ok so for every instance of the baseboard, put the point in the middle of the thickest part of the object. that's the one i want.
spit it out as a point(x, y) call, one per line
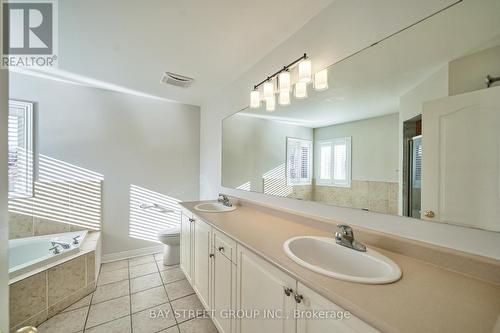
point(131, 253)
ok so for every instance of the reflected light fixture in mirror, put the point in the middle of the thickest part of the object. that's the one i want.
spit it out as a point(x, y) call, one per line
point(321, 80)
point(301, 90)
point(271, 103)
point(305, 71)
point(255, 99)
point(284, 97)
point(284, 82)
point(268, 89)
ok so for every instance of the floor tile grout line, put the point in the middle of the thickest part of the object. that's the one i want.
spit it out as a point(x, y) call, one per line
point(88, 311)
point(168, 297)
point(107, 322)
point(130, 298)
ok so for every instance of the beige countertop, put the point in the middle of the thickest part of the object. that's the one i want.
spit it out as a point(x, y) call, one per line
point(427, 298)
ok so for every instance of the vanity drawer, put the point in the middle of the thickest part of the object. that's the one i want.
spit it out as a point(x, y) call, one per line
point(225, 245)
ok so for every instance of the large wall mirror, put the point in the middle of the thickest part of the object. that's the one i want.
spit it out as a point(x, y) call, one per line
point(406, 127)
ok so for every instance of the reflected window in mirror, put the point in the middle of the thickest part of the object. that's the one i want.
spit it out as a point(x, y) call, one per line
point(299, 161)
point(20, 149)
point(335, 162)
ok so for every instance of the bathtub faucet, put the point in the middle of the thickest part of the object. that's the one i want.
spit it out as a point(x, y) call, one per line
point(63, 244)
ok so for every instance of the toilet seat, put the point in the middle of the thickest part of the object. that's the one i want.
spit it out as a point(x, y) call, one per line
point(170, 232)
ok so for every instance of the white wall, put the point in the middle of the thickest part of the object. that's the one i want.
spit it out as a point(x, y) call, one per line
point(374, 145)
point(4, 232)
point(343, 28)
point(469, 73)
point(135, 140)
point(254, 146)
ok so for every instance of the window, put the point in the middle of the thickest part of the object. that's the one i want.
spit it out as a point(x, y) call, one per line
point(335, 162)
point(299, 161)
point(20, 149)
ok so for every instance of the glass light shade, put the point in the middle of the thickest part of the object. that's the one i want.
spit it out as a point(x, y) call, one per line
point(300, 90)
point(284, 81)
point(268, 89)
point(254, 99)
point(284, 97)
point(271, 104)
point(305, 71)
point(321, 80)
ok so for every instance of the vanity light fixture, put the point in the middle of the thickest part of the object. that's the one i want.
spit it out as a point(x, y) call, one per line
point(284, 97)
point(271, 103)
point(281, 83)
point(284, 81)
point(300, 90)
point(255, 99)
point(268, 89)
point(321, 80)
point(305, 71)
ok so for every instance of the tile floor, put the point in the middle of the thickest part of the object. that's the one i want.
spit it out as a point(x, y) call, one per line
point(137, 295)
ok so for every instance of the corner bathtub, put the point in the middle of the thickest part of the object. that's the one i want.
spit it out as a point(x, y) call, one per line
point(32, 253)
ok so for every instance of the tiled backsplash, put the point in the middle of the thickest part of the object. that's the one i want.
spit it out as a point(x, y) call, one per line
point(380, 197)
point(21, 226)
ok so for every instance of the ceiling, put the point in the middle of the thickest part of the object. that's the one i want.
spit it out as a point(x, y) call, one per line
point(130, 43)
point(371, 83)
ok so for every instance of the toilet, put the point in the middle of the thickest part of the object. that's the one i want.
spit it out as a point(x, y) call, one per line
point(171, 238)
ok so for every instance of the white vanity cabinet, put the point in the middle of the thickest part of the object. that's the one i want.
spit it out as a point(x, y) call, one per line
point(316, 314)
point(247, 294)
point(202, 258)
point(223, 283)
point(265, 296)
point(186, 243)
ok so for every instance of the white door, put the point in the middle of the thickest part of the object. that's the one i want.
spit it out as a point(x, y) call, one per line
point(461, 159)
point(316, 314)
point(202, 258)
point(224, 292)
point(186, 226)
point(261, 297)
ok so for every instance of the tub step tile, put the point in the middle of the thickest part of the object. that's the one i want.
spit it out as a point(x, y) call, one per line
point(110, 291)
point(113, 276)
point(145, 282)
point(107, 311)
point(121, 325)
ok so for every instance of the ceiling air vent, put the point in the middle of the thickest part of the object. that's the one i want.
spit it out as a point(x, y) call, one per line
point(176, 80)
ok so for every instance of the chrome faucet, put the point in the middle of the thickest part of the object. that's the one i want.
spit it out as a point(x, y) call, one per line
point(64, 245)
point(224, 200)
point(346, 238)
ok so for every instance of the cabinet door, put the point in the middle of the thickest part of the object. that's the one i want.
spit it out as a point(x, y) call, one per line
point(316, 314)
point(202, 260)
point(223, 292)
point(261, 296)
point(186, 244)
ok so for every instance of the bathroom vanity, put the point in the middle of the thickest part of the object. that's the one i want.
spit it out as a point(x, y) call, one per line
point(236, 263)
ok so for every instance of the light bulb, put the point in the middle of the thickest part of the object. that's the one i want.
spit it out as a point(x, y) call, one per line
point(321, 80)
point(284, 81)
point(284, 97)
point(270, 104)
point(305, 71)
point(300, 90)
point(254, 99)
point(268, 89)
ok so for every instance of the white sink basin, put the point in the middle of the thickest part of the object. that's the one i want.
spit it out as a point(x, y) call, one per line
point(213, 207)
point(324, 256)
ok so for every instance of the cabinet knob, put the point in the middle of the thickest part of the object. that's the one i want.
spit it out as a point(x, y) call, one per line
point(288, 291)
point(221, 248)
point(211, 255)
point(298, 298)
point(429, 213)
point(191, 220)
